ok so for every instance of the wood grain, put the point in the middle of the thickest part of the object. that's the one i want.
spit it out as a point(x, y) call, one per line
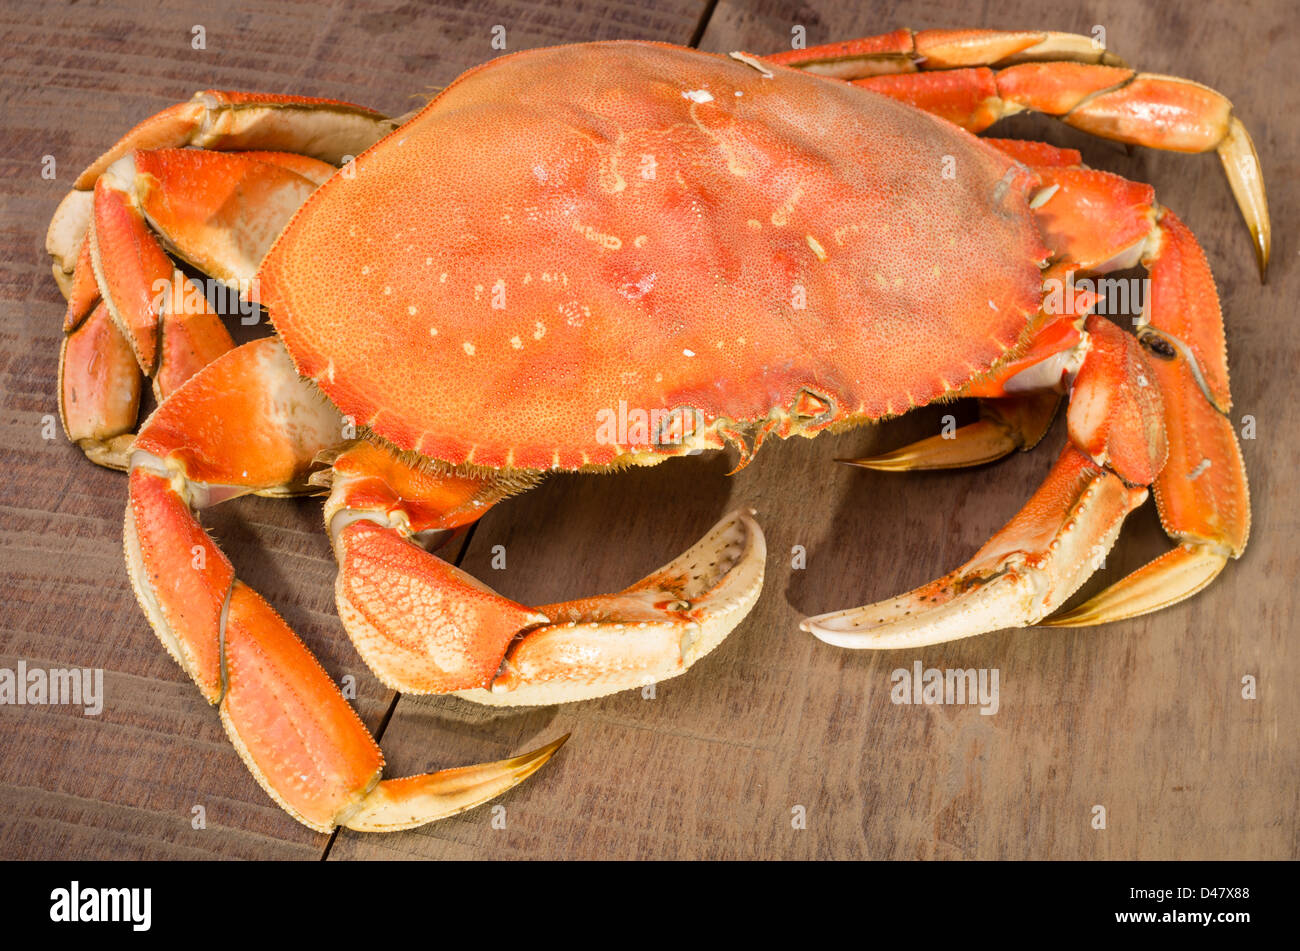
point(1143, 717)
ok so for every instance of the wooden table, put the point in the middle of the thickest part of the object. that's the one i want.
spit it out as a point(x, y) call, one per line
point(1145, 718)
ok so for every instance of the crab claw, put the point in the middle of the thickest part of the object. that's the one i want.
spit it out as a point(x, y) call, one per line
point(1041, 557)
point(1025, 572)
point(651, 631)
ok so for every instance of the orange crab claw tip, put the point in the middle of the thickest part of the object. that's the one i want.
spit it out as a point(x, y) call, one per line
point(397, 804)
point(1241, 163)
point(1175, 575)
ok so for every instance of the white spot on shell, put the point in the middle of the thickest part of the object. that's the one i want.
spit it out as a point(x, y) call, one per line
point(698, 95)
point(640, 289)
point(469, 348)
point(688, 353)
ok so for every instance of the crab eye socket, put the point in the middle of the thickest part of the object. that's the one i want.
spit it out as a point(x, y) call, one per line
point(810, 405)
point(677, 425)
point(1159, 346)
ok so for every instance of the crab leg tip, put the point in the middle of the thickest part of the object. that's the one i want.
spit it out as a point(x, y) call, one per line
point(897, 460)
point(980, 443)
point(1241, 163)
point(397, 804)
point(1262, 253)
point(1173, 577)
point(520, 767)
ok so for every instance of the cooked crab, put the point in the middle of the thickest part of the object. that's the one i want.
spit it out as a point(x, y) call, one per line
point(732, 247)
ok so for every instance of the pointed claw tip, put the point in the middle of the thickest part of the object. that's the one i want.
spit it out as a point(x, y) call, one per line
point(526, 764)
point(878, 463)
point(1064, 619)
point(1245, 177)
point(550, 749)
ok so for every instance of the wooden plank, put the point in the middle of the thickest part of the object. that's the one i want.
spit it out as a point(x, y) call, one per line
point(1144, 718)
point(74, 77)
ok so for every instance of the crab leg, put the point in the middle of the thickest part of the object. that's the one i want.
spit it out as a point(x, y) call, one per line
point(246, 423)
point(425, 626)
point(188, 200)
point(198, 204)
point(1005, 425)
point(99, 389)
point(946, 72)
point(1034, 563)
point(648, 632)
point(219, 211)
point(1201, 492)
point(324, 129)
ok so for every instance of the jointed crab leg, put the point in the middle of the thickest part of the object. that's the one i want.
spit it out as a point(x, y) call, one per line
point(1041, 557)
point(1006, 424)
point(423, 625)
point(99, 388)
point(420, 623)
point(298, 736)
point(323, 129)
point(947, 72)
point(219, 211)
point(1201, 492)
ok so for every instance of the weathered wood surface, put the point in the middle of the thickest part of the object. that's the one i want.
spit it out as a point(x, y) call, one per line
point(1145, 718)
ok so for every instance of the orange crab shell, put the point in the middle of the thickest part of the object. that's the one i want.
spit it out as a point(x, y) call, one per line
point(564, 231)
